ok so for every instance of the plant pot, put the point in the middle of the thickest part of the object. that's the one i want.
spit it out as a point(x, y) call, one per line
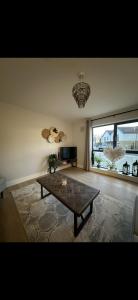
point(52, 169)
point(98, 165)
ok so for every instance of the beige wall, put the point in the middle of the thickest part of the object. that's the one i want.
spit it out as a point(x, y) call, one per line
point(23, 151)
point(79, 131)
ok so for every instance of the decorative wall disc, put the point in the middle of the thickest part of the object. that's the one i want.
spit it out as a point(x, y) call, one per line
point(53, 135)
point(51, 139)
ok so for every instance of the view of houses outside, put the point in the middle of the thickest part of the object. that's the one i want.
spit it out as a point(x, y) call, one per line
point(103, 137)
point(127, 137)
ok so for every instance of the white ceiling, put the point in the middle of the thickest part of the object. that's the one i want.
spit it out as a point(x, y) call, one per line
point(45, 84)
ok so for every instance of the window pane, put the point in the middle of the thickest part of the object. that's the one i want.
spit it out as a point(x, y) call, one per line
point(104, 162)
point(130, 158)
point(103, 137)
point(100, 157)
point(127, 136)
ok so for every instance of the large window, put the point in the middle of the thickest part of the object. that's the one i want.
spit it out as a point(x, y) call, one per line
point(128, 136)
point(115, 135)
point(102, 137)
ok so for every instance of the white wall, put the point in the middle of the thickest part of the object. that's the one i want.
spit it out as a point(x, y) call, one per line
point(23, 151)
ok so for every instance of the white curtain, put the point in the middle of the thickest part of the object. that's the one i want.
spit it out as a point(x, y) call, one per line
point(88, 142)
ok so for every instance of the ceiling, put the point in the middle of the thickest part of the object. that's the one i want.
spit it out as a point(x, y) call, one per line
point(45, 84)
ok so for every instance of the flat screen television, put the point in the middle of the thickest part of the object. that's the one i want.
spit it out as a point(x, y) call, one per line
point(68, 153)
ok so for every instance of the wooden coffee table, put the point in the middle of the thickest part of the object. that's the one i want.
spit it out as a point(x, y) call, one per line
point(75, 195)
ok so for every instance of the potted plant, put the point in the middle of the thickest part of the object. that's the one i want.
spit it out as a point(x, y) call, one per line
point(110, 165)
point(53, 162)
point(98, 159)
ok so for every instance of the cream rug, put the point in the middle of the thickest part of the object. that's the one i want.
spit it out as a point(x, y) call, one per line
point(48, 220)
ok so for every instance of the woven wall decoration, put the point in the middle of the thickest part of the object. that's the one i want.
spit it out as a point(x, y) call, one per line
point(53, 135)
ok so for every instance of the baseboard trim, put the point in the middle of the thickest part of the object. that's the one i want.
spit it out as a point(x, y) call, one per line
point(32, 176)
point(22, 179)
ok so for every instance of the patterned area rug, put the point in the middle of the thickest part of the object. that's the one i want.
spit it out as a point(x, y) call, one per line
point(48, 220)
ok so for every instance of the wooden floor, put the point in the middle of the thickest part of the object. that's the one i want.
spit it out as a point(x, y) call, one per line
point(11, 229)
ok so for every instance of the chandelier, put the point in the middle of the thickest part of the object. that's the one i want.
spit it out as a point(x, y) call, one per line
point(81, 91)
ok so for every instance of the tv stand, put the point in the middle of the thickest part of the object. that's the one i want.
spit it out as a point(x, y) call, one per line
point(73, 163)
point(69, 161)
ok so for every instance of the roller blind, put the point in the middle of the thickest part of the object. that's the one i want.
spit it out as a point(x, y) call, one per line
point(115, 118)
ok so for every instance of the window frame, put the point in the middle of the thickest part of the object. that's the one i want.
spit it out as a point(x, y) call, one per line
point(114, 137)
point(127, 122)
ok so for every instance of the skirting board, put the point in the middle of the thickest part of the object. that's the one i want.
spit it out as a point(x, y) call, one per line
point(33, 176)
point(115, 174)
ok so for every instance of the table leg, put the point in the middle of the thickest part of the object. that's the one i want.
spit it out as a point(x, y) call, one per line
point(75, 225)
point(77, 229)
point(42, 192)
point(91, 207)
point(42, 195)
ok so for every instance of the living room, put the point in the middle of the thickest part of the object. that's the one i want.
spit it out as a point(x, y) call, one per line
point(38, 116)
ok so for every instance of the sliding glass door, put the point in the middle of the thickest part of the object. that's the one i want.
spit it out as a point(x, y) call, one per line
point(124, 134)
point(102, 137)
point(127, 137)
